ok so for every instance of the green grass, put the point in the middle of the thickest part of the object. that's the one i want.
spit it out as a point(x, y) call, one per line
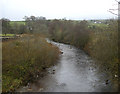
point(98, 25)
point(17, 22)
point(7, 35)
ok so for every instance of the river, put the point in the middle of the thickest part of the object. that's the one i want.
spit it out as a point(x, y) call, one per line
point(74, 72)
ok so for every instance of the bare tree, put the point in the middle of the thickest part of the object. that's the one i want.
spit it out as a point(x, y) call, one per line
point(114, 10)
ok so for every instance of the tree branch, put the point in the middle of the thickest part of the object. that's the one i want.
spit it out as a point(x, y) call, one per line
point(112, 13)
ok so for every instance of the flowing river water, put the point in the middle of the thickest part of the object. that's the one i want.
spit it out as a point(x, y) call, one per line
point(74, 72)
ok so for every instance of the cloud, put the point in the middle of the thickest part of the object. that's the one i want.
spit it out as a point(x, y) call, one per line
point(71, 9)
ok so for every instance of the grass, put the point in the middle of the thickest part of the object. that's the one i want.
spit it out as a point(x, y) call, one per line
point(7, 35)
point(97, 25)
point(17, 22)
point(24, 59)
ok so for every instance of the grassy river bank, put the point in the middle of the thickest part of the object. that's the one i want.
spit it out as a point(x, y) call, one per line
point(24, 59)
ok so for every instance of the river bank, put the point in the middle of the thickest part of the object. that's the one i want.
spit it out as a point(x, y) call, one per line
point(25, 59)
point(74, 72)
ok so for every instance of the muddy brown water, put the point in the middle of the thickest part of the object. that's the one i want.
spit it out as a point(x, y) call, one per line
point(74, 72)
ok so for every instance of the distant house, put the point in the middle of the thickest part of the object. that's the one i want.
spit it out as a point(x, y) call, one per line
point(97, 22)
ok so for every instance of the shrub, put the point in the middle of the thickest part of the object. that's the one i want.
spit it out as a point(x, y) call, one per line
point(25, 58)
point(103, 47)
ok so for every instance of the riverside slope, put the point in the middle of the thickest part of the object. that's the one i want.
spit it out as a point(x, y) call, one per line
point(74, 72)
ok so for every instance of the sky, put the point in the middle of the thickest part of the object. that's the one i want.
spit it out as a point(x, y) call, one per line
point(57, 9)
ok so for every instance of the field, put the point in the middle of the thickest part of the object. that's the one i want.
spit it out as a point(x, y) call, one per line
point(17, 22)
point(7, 35)
point(97, 25)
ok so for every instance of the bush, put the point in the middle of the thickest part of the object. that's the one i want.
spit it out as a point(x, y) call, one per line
point(103, 47)
point(71, 32)
point(25, 58)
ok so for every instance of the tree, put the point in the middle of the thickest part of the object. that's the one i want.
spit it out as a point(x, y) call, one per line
point(5, 25)
point(36, 24)
point(114, 10)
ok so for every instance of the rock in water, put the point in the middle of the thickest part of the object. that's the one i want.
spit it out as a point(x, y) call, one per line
point(61, 52)
point(107, 82)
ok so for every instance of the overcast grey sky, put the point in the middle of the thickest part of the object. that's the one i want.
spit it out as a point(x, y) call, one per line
point(51, 9)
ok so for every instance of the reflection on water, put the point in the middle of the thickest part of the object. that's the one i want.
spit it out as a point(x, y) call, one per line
point(73, 73)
